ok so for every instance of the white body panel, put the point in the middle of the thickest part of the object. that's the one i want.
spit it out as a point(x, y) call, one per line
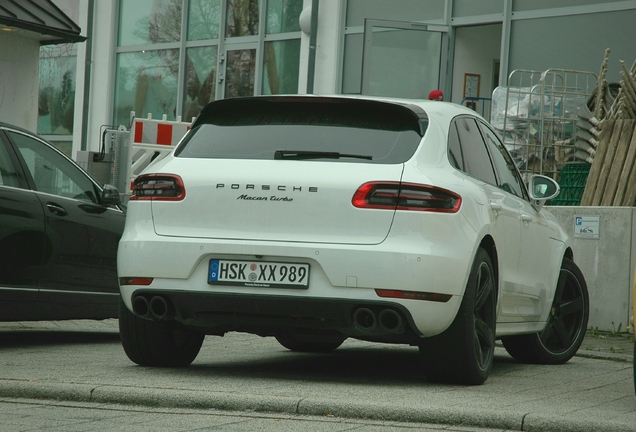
point(305, 215)
point(299, 201)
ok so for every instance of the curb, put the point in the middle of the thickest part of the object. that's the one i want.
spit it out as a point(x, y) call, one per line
point(601, 355)
point(191, 399)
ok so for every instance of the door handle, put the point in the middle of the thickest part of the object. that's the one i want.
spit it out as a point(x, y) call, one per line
point(495, 206)
point(526, 217)
point(56, 209)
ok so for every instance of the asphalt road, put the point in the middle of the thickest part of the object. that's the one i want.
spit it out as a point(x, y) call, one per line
point(82, 362)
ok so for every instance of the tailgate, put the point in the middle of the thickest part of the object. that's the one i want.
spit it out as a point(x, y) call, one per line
point(274, 200)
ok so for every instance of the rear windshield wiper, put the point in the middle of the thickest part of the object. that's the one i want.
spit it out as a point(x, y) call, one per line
point(304, 154)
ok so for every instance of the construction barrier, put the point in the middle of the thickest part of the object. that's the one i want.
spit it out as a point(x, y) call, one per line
point(147, 142)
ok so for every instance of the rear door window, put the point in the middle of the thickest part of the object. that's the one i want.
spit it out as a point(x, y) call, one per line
point(510, 180)
point(477, 162)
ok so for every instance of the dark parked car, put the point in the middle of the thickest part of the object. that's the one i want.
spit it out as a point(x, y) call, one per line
point(59, 231)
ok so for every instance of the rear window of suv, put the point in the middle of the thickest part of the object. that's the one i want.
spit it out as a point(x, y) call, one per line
point(346, 130)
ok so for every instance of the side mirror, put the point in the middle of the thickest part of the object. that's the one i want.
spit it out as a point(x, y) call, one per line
point(110, 196)
point(541, 189)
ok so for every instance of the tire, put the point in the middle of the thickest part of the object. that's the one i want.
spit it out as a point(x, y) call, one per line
point(566, 326)
point(157, 343)
point(463, 353)
point(309, 344)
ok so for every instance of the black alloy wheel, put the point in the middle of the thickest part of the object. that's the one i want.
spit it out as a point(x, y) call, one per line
point(464, 353)
point(485, 316)
point(565, 329)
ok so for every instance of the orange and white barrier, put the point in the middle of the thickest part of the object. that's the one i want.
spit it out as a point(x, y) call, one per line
point(160, 132)
point(150, 141)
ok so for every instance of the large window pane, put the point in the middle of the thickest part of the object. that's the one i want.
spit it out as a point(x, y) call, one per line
point(242, 18)
point(143, 22)
point(397, 10)
point(146, 82)
point(282, 16)
point(239, 79)
point(200, 88)
point(404, 63)
point(351, 70)
point(204, 19)
point(57, 90)
point(280, 74)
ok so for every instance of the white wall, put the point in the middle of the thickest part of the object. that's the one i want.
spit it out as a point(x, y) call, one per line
point(19, 80)
point(607, 262)
point(102, 79)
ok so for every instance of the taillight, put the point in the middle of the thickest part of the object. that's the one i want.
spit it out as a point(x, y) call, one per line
point(406, 196)
point(164, 187)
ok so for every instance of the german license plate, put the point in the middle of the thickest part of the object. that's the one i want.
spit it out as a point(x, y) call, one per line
point(258, 274)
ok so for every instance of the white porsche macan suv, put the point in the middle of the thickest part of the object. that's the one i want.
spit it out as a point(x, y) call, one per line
point(316, 219)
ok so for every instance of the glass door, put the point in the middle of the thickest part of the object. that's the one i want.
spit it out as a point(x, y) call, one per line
point(240, 71)
point(403, 59)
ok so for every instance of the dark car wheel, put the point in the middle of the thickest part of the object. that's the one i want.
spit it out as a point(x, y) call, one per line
point(566, 326)
point(157, 343)
point(309, 344)
point(463, 353)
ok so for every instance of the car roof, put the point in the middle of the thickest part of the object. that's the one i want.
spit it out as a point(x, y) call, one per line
point(18, 128)
point(228, 110)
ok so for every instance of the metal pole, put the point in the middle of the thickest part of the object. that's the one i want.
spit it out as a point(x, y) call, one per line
point(87, 74)
point(311, 65)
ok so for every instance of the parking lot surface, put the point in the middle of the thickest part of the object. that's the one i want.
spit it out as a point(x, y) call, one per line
point(83, 362)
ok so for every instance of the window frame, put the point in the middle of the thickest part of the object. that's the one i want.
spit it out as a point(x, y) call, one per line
point(482, 126)
point(222, 45)
point(504, 151)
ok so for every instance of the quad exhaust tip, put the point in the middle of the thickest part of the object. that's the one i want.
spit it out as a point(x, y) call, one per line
point(388, 321)
point(157, 308)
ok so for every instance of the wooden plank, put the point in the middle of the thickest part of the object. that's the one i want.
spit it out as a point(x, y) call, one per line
point(617, 164)
point(609, 158)
point(599, 158)
point(630, 194)
point(628, 169)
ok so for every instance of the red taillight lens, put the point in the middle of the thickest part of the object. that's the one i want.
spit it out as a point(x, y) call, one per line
point(135, 281)
point(413, 295)
point(164, 187)
point(406, 196)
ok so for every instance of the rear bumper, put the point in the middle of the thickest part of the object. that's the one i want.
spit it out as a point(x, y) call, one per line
point(343, 278)
point(219, 313)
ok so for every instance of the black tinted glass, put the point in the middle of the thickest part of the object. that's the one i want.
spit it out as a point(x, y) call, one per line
point(510, 180)
point(8, 174)
point(476, 159)
point(454, 148)
point(313, 128)
point(261, 142)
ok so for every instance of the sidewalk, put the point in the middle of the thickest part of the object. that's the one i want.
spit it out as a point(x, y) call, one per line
point(84, 362)
point(605, 345)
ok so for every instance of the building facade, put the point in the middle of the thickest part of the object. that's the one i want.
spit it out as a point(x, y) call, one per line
point(171, 57)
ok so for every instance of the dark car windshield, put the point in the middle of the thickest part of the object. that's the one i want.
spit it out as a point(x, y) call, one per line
point(305, 129)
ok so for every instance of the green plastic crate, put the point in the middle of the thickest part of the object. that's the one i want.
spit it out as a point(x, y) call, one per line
point(573, 177)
